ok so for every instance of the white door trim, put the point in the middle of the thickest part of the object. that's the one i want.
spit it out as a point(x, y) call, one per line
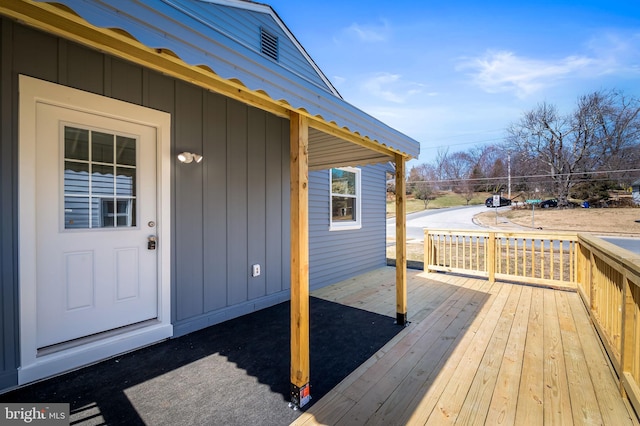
point(34, 367)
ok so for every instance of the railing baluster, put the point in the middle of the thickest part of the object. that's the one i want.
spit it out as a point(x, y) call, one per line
point(551, 259)
point(561, 260)
point(514, 257)
point(541, 258)
point(499, 255)
point(464, 253)
point(477, 252)
point(507, 260)
point(533, 258)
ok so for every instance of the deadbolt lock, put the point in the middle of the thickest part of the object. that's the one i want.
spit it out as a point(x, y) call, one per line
point(151, 244)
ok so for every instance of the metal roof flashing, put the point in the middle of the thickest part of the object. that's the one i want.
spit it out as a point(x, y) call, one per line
point(188, 28)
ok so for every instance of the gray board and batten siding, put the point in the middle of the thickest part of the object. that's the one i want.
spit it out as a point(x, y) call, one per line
point(228, 212)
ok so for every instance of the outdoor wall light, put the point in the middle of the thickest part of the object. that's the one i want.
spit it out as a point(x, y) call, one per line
point(188, 157)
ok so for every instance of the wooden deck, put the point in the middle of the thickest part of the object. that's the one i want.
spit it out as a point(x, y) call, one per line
point(474, 353)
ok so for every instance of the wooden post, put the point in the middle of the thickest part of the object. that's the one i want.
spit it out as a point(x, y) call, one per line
point(628, 342)
point(492, 259)
point(401, 242)
point(299, 165)
point(427, 250)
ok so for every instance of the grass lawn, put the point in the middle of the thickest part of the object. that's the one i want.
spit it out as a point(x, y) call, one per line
point(448, 199)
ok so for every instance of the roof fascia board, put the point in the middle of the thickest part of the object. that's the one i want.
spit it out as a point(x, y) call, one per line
point(61, 22)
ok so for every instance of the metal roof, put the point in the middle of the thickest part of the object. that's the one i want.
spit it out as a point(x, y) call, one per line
point(198, 33)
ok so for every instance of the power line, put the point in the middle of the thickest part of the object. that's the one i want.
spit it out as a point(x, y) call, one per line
point(464, 143)
point(576, 174)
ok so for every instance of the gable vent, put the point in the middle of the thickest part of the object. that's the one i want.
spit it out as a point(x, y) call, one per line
point(268, 44)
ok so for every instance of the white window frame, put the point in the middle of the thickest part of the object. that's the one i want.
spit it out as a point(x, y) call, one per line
point(350, 225)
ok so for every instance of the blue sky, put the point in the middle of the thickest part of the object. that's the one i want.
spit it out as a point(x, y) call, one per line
point(457, 73)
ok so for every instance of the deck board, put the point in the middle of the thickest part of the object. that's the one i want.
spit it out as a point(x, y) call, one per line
point(584, 404)
point(478, 400)
point(504, 400)
point(557, 403)
point(474, 353)
point(459, 376)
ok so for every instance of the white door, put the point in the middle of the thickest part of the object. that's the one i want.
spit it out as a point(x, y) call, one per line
point(95, 215)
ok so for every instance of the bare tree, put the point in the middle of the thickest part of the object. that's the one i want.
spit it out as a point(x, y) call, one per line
point(544, 133)
point(550, 152)
point(424, 191)
point(439, 164)
point(421, 173)
point(457, 168)
point(613, 121)
point(582, 142)
point(603, 126)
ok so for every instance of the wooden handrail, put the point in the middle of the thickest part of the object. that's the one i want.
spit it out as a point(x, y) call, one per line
point(526, 256)
point(609, 285)
point(606, 277)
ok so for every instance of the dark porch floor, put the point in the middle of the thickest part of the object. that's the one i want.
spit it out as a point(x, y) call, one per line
point(235, 373)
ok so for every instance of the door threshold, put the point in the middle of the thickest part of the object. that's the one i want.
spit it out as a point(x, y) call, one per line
point(64, 357)
point(69, 344)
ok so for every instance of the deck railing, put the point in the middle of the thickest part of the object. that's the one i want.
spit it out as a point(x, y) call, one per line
point(609, 284)
point(606, 277)
point(530, 257)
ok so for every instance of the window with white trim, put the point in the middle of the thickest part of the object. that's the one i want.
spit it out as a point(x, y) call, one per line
point(345, 211)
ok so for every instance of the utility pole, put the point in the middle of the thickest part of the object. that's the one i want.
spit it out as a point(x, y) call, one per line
point(509, 171)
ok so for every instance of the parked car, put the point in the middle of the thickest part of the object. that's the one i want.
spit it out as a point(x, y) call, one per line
point(503, 202)
point(549, 203)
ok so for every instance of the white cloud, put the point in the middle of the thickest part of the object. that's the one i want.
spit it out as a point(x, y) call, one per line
point(502, 71)
point(391, 87)
point(370, 33)
point(608, 53)
point(618, 53)
point(338, 80)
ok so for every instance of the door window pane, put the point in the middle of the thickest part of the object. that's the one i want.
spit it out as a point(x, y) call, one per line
point(126, 151)
point(102, 181)
point(126, 181)
point(102, 147)
point(99, 179)
point(76, 143)
point(76, 212)
point(76, 178)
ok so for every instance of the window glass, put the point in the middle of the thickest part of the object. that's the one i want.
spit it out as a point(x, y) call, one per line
point(76, 178)
point(76, 143)
point(102, 181)
point(345, 198)
point(99, 179)
point(125, 151)
point(76, 212)
point(343, 209)
point(102, 147)
point(343, 182)
point(126, 181)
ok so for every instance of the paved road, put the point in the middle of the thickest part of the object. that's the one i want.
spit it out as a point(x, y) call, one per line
point(627, 243)
point(462, 218)
point(452, 218)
